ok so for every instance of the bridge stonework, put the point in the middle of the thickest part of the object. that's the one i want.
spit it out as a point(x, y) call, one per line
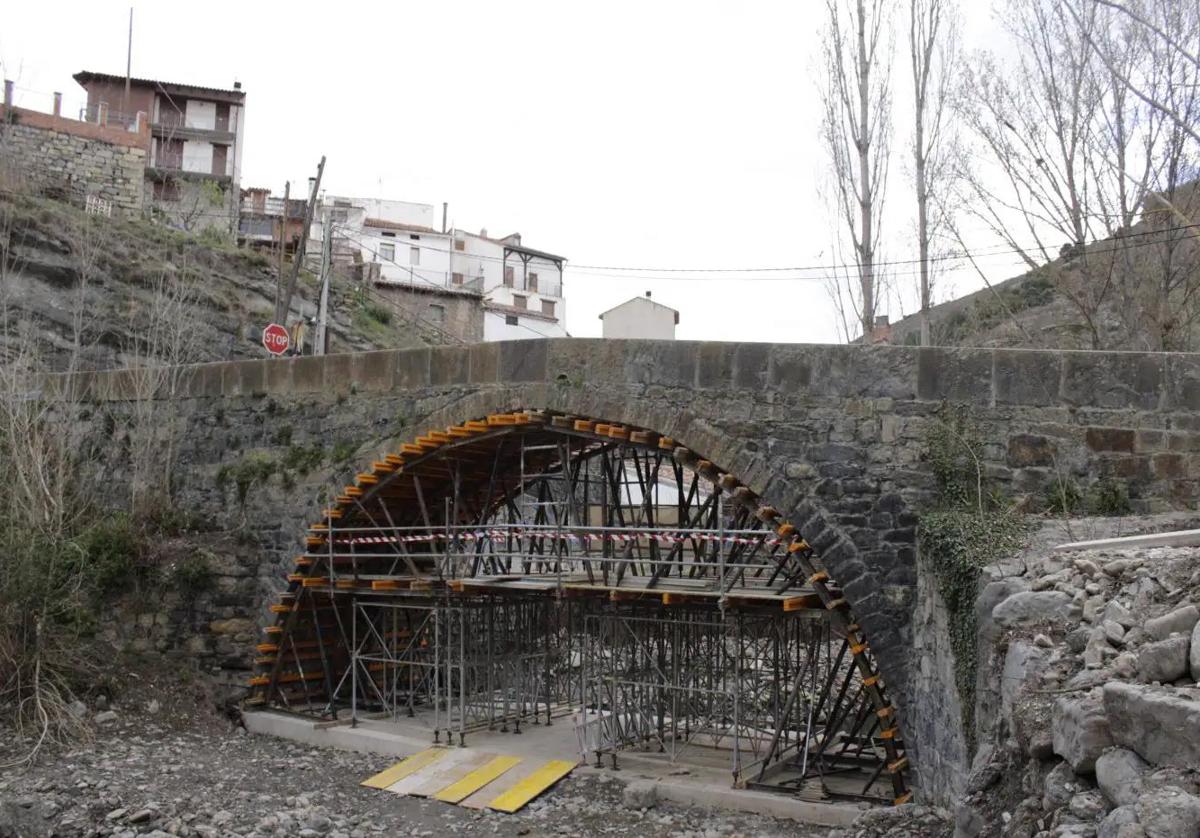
point(833, 436)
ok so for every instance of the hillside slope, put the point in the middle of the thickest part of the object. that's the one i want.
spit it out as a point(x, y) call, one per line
point(111, 279)
point(1137, 290)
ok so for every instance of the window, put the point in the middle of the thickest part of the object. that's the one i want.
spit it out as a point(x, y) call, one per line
point(548, 308)
point(456, 278)
point(531, 283)
point(166, 190)
point(520, 301)
point(387, 252)
point(414, 237)
point(508, 276)
point(388, 235)
point(340, 216)
point(512, 320)
point(414, 256)
point(459, 244)
point(437, 314)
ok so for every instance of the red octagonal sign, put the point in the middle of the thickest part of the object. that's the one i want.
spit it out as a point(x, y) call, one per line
point(276, 339)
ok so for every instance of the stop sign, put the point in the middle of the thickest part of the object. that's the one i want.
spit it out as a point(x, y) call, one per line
point(276, 339)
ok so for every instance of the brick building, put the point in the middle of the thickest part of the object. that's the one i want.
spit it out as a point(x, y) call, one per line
point(193, 172)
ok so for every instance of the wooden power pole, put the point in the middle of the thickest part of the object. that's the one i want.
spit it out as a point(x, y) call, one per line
point(283, 219)
point(285, 302)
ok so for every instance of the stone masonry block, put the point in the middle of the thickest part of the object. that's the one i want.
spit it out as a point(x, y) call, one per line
point(1113, 379)
point(448, 365)
point(959, 375)
point(1026, 377)
point(374, 371)
point(523, 360)
point(484, 362)
point(412, 369)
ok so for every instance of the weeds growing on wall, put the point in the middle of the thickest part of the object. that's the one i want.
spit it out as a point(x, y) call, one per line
point(969, 526)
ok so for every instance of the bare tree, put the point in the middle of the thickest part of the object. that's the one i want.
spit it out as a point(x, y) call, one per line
point(856, 128)
point(1170, 25)
point(933, 44)
point(1065, 155)
point(162, 343)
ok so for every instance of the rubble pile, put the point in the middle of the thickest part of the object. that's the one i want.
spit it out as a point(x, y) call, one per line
point(1090, 722)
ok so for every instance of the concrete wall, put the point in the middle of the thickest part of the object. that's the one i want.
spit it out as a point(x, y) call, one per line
point(831, 435)
point(76, 158)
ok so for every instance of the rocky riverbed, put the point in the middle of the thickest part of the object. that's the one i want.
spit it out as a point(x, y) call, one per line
point(145, 777)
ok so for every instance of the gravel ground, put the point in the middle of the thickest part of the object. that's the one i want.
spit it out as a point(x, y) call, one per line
point(142, 776)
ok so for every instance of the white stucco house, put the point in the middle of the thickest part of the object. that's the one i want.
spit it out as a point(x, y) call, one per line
point(522, 287)
point(640, 317)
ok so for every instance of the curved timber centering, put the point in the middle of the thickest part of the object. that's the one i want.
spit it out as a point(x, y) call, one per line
point(529, 564)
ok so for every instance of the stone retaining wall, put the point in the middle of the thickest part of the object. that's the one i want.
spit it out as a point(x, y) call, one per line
point(53, 154)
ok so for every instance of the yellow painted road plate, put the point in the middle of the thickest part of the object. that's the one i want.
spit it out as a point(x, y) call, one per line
point(403, 768)
point(476, 780)
point(532, 786)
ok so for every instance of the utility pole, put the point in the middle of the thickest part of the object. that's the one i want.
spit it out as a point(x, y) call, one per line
point(128, 66)
point(326, 272)
point(285, 303)
point(283, 219)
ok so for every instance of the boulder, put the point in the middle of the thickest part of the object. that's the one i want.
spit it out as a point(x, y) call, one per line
point(1120, 823)
point(1169, 813)
point(1114, 631)
point(1088, 806)
point(1081, 730)
point(1195, 653)
point(640, 794)
point(1165, 660)
point(1028, 608)
point(1023, 662)
point(1181, 620)
point(1119, 614)
point(1060, 785)
point(1119, 774)
point(1161, 725)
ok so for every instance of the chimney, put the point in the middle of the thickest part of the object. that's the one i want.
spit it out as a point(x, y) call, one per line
point(483, 232)
point(647, 295)
point(882, 331)
point(57, 104)
point(445, 208)
point(237, 85)
point(8, 93)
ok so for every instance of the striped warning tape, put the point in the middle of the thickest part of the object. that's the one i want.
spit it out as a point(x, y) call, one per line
point(681, 537)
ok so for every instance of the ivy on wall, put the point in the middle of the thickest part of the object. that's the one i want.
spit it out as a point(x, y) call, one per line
point(968, 527)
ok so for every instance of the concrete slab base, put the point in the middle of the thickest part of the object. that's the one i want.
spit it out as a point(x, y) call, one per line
point(686, 784)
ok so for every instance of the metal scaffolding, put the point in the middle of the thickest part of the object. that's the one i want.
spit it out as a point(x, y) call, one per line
point(517, 569)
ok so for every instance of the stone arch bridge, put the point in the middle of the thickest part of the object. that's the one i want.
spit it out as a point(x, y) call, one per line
point(831, 439)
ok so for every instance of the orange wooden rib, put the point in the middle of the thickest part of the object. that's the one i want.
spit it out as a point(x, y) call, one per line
point(666, 442)
point(438, 436)
point(409, 448)
point(476, 425)
point(394, 459)
point(584, 425)
point(260, 681)
point(267, 648)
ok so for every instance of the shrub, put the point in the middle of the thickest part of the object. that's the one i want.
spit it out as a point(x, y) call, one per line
point(111, 552)
point(1109, 497)
point(194, 574)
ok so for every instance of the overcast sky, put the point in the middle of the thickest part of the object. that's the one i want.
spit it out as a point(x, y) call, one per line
point(659, 135)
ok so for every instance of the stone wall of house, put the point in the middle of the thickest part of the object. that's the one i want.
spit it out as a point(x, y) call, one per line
point(73, 159)
point(834, 436)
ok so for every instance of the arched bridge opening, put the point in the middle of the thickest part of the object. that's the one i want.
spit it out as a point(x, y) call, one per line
point(540, 568)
